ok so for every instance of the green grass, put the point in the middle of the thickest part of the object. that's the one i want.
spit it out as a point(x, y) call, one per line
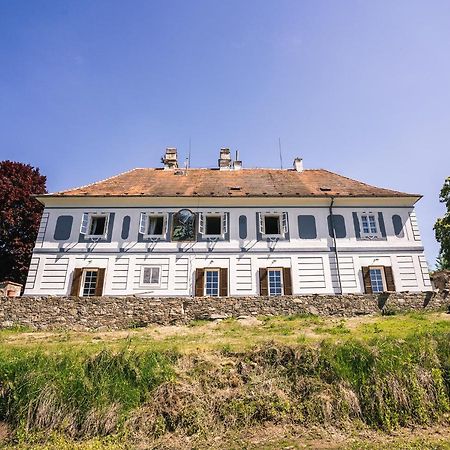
point(112, 388)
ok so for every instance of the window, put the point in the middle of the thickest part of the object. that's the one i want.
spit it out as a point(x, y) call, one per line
point(275, 224)
point(153, 225)
point(212, 283)
point(94, 225)
point(275, 282)
point(150, 276)
point(213, 224)
point(377, 279)
point(272, 224)
point(369, 224)
point(89, 285)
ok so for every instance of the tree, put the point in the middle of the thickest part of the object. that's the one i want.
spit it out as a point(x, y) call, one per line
point(442, 228)
point(20, 215)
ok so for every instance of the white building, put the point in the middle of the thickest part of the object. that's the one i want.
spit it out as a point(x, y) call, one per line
point(227, 231)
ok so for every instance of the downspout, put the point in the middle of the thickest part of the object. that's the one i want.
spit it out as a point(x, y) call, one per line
point(335, 246)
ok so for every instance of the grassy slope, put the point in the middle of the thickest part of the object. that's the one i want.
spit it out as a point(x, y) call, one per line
point(164, 382)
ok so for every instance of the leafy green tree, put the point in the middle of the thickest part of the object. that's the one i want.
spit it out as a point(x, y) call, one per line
point(442, 228)
point(20, 215)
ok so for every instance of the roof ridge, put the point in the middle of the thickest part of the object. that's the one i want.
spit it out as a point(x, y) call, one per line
point(95, 182)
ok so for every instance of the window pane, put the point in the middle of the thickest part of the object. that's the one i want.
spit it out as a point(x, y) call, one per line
point(372, 224)
point(155, 275)
point(365, 224)
point(98, 225)
point(151, 275)
point(213, 224)
point(272, 224)
point(212, 283)
point(275, 284)
point(155, 225)
point(376, 280)
point(90, 283)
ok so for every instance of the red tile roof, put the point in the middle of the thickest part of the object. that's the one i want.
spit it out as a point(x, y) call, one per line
point(230, 183)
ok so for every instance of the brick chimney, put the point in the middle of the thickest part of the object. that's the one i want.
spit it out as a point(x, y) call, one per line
point(170, 158)
point(225, 159)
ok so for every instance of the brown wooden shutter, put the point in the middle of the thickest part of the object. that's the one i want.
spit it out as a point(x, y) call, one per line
point(287, 281)
point(263, 282)
point(76, 283)
point(100, 282)
point(389, 276)
point(199, 282)
point(366, 280)
point(223, 280)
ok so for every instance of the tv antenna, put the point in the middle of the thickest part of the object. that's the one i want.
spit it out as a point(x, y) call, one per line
point(281, 156)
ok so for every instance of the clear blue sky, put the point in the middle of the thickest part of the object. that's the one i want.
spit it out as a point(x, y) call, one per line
point(92, 88)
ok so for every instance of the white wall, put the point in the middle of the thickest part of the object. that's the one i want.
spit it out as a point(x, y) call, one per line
point(312, 262)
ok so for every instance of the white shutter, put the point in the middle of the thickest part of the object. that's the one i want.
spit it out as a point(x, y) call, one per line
point(224, 223)
point(142, 223)
point(166, 223)
point(284, 222)
point(84, 223)
point(106, 225)
point(261, 223)
point(201, 223)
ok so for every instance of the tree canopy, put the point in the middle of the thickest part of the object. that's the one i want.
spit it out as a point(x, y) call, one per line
point(442, 228)
point(20, 215)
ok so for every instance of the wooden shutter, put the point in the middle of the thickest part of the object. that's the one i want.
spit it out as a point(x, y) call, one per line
point(223, 280)
point(389, 276)
point(263, 282)
point(76, 283)
point(199, 282)
point(366, 280)
point(100, 282)
point(287, 281)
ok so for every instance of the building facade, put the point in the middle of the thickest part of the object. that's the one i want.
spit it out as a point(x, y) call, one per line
point(227, 231)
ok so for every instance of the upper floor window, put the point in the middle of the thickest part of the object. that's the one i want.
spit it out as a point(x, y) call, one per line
point(94, 225)
point(153, 224)
point(273, 224)
point(369, 225)
point(213, 224)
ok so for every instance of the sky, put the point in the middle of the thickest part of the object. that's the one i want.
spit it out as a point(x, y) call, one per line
point(89, 89)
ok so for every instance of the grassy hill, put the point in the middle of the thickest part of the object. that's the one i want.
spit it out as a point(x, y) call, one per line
point(267, 382)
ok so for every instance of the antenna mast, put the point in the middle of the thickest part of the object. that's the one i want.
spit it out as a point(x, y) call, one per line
point(281, 156)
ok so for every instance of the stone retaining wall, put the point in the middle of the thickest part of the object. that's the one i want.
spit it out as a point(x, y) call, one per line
point(123, 312)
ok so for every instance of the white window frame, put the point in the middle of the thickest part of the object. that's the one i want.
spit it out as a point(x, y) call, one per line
point(383, 278)
point(86, 224)
point(144, 222)
point(283, 222)
point(223, 225)
point(83, 281)
point(141, 278)
point(205, 282)
point(275, 269)
point(369, 235)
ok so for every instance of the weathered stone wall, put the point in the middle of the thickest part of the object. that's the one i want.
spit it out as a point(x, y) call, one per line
point(123, 312)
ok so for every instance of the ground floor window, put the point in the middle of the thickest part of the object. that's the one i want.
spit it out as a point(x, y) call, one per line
point(377, 279)
point(275, 282)
point(89, 284)
point(212, 283)
point(150, 276)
